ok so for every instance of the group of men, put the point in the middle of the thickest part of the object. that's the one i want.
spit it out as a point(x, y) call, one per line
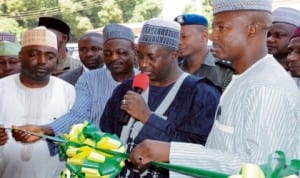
point(258, 112)
point(180, 118)
point(32, 96)
point(284, 23)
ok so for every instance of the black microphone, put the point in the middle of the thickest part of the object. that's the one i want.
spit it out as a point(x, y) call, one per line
point(140, 83)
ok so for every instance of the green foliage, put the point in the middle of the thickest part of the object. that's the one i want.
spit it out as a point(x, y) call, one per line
point(193, 7)
point(146, 10)
point(110, 13)
point(11, 26)
point(207, 11)
point(81, 15)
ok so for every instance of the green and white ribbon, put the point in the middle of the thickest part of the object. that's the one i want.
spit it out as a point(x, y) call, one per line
point(90, 153)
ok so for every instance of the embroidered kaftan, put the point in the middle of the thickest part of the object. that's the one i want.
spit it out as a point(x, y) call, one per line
point(20, 105)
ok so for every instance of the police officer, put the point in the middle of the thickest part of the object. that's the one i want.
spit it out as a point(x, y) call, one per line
point(196, 57)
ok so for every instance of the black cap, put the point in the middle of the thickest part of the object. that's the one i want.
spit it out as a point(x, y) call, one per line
point(56, 24)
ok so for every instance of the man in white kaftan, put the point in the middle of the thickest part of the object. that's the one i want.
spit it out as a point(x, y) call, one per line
point(21, 105)
point(32, 97)
point(247, 135)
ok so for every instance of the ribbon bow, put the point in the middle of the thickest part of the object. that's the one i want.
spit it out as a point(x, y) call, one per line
point(91, 153)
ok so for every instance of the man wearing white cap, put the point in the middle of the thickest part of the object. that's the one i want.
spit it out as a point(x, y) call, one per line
point(94, 88)
point(285, 21)
point(9, 61)
point(32, 97)
point(176, 107)
point(258, 112)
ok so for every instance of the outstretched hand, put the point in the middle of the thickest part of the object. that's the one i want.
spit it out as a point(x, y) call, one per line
point(148, 151)
point(3, 136)
point(19, 134)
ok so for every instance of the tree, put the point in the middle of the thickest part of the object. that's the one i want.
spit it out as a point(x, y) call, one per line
point(146, 10)
point(207, 11)
point(81, 15)
point(11, 25)
point(111, 13)
point(193, 7)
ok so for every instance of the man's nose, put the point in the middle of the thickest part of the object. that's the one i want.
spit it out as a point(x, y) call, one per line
point(42, 59)
point(8, 66)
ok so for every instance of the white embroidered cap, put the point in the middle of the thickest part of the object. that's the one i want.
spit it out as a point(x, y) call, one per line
point(286, 15)
point(236, 5)
point(8, 48)
point(39, 36)
point(161, 32)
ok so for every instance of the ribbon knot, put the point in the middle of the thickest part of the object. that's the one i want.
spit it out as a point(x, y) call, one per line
point(91, 153)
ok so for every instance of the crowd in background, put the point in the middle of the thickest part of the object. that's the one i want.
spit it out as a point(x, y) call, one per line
point(209, 107)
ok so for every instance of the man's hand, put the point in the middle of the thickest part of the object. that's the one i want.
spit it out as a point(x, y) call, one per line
point(148, 151)
point(134, 104)
point(3, 136)
point(20, 135)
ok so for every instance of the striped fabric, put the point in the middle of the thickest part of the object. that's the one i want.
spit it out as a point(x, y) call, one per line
point(93, 89)
point(297, 80)
point(258, 114)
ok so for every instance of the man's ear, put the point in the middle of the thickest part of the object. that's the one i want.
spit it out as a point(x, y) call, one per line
point(174, 55)
point(204, 35)
point(65, 38)
point(254, 28)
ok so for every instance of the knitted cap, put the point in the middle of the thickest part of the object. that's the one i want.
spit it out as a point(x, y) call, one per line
point(117, 31)
point(161, 32)
point(8, 48)
point(39, 36)
point(296, 33)
point(4, 36)
point(191, 19)
point(237, 5)
point(56, 24)
point(286, 15)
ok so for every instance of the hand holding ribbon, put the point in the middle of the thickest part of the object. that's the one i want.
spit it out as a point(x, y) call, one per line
point(91, 153)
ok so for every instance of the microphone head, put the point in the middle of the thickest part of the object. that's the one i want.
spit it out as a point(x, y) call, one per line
point(141, 81)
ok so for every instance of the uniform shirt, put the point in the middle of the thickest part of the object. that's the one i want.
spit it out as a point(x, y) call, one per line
point(217, 74)
point(258, 114)
point(69, 63)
